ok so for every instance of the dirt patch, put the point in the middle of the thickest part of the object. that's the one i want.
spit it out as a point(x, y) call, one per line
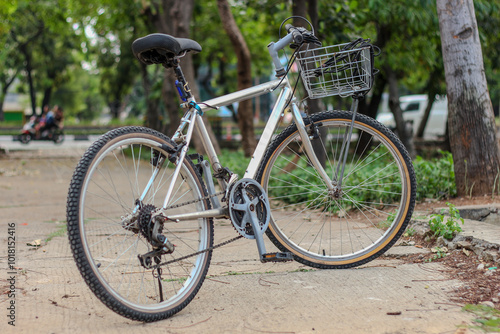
point(480, 279)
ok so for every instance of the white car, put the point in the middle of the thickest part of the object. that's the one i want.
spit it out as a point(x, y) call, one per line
point(413, 107)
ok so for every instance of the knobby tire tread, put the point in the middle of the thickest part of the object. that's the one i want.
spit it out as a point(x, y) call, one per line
point(74, 233)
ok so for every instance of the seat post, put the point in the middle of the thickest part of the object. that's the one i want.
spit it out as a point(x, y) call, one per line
point(181, 83)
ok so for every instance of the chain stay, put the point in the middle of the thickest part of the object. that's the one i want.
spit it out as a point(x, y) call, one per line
point(198, 252)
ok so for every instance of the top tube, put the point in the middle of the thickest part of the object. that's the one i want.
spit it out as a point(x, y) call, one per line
point(244, 94)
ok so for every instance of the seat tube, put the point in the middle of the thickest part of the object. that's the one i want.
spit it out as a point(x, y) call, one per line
point(180, 160)
point(299, 121)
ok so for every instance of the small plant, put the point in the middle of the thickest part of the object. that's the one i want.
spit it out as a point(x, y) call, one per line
point(488, 317)
point(410, 232)
point(440, 253)
point(446, 227)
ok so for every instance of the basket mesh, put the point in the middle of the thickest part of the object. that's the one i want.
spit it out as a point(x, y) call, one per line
point(331, 70)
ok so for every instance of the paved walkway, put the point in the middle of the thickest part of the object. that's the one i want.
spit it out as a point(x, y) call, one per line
point(384, 296)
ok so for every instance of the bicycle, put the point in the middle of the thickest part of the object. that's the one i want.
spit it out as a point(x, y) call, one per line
point(333, 190)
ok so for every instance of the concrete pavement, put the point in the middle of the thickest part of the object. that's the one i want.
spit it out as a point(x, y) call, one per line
point(383, 296)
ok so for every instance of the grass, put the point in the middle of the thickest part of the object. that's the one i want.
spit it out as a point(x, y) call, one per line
point(435, 177)
point(61, 231)
point(487, 318)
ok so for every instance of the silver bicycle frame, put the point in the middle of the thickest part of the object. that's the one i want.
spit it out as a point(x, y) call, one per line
point(266, 137)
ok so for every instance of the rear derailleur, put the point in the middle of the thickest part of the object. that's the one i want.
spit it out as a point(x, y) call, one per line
point(151, 227)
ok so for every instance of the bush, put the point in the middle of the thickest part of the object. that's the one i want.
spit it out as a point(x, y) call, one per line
point(435, 177)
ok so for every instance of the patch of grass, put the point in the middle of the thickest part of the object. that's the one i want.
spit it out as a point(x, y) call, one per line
point(488, 318)
point(180, 280)
point(235, 273)
point(302, 270)
point(61, 231)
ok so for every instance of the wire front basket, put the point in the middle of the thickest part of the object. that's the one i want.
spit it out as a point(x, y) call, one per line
point(336, 70)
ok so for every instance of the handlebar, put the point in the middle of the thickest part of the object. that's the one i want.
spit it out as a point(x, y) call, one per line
point(295, 38)
point(297, 35)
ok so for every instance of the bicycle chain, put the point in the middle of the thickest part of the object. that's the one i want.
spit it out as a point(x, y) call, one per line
point(194, 201)
point(198, 252)
point(204, 250)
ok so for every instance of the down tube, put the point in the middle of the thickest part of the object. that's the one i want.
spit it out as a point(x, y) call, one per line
point(267, 135)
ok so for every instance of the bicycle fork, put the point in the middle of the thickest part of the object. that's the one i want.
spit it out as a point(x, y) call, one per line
point(333, 184)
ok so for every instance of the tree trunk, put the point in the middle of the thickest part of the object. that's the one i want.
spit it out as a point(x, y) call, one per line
point(431, 96)
point(471, 121)
point(245, 112)
point(432, 91)
point(152, 104)
point(27, 56)
point(47, 94)
point(303, 8)
point(173, 17)
point(115, 107)
point(401, 125)
point(3, 94)
point(371, 108)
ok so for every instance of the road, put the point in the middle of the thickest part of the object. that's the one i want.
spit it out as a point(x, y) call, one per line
point(9, 143)
point(241, 294)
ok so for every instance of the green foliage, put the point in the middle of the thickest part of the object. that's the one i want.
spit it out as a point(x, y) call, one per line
point(235, 161)
point(440, 253)
point(98, 35)
point(488, 318)
point(429, 179)
point(304, 178)
point(388, 221)
point(410, 231)
point(435, 177)
point(61, 231)
point(446, 227)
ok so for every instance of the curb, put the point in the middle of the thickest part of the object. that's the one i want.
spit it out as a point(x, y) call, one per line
point(485, 250)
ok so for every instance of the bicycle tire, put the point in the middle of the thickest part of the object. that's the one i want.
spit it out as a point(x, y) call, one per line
point(58, 137)
point(25, 138)
point(105, 186)
point(319, 229)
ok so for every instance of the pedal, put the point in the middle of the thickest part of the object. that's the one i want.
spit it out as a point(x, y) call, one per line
point(277, 257)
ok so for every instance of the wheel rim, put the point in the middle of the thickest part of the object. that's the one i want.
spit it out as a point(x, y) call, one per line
point(114, 181)
point(326, 230)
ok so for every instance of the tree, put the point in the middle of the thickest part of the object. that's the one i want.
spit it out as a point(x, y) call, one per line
point(8, 73)
point(46, 42)
point(471, 121)
point(245, 114)
point(174, 17)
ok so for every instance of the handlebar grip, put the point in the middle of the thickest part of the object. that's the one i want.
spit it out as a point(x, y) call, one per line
point(297, 35)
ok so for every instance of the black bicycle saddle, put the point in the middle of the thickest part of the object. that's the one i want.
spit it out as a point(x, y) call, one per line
point(161, 48)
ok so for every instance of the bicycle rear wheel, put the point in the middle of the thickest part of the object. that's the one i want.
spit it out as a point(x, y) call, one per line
point(107, 236)
point(370, 212)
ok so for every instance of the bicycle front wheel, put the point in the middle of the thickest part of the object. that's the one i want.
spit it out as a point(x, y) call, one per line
point(361, 220)
point(108, 233)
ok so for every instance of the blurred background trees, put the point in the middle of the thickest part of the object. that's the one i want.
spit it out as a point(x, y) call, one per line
point(77, 53)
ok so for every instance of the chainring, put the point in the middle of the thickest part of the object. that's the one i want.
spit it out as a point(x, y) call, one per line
point(247, 201)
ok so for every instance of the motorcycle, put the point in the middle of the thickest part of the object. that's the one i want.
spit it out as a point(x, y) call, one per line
point(28, 133)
